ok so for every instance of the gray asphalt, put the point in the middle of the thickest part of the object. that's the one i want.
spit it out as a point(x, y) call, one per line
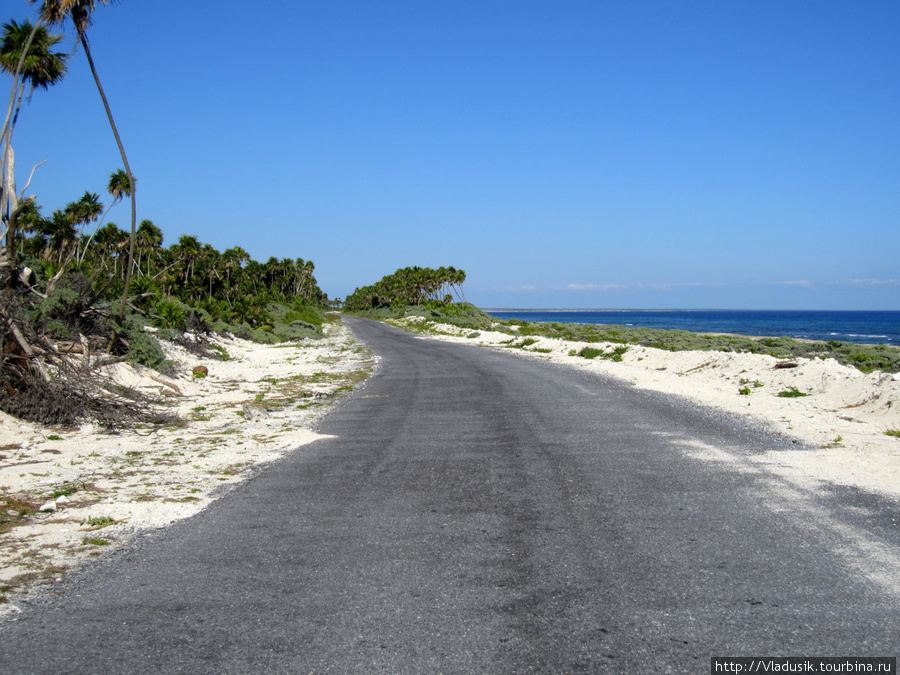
point(478, 511)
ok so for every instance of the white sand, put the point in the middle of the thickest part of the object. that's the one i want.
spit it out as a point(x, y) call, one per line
point(251, 409)
point(842, 421)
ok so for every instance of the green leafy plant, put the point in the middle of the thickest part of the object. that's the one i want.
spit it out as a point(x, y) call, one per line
point(96, 521)
point(590, 352)
point(221, 350)
point(791, 392)
point(893, 432)
point(615, 354)
point(744, 391)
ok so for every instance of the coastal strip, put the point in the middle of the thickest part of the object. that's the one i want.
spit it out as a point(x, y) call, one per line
point(74, 494)
point(845, 421)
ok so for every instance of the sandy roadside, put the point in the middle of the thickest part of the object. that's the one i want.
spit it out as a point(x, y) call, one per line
point(841, 423)
point(98, 488)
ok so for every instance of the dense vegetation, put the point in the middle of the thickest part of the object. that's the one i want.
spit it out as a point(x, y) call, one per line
point(866, 358)
point(416, 286)
point(71, 283)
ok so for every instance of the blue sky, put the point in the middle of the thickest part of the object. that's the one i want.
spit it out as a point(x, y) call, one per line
point(727, 154)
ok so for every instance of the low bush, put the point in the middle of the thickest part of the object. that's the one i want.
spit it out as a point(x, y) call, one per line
point(791, 392)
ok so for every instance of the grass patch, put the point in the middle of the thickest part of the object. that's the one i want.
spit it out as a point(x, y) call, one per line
point(589, 352)
point(614, 354)
point(791, 392)
point(96, 521)
point(866, 358)
point(893, 432)
point(14, 512)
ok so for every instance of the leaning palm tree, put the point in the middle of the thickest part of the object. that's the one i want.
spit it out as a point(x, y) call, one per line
point(26, 54)
point(55, 12)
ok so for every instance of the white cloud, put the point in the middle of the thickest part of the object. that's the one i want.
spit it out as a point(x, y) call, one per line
point(594, 287)
point(799, 282)
point(870, 282)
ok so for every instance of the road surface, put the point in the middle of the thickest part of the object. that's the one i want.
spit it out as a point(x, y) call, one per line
point(481, 512)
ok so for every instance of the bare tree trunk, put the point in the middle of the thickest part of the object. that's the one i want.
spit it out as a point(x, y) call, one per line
point(7, 191)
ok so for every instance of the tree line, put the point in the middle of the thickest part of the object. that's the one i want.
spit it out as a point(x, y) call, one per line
point(409, 286)
point(129, 264)
point(72, 283)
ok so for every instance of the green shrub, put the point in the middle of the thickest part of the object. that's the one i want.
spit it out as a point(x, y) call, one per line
point(144, 349)
point(791, 392)
point(298, 330)
point(171, 314)
point(616, 354)
point(264, 337)
point(590, 352)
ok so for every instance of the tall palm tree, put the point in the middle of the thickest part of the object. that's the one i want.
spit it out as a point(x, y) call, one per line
point(55, 12)
point(26, 54)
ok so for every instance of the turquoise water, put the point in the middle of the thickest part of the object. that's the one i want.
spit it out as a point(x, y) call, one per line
point(856, 326)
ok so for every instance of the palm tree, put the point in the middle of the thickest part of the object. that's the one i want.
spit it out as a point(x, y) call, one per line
point(65, 236)
point(187, 250)
point(118, 187)
point(149, 240)
point(61, 233)
point(40, 68)
point(25, 52)
point(55, 12)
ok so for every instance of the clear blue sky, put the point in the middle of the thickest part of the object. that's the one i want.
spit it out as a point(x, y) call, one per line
point(609, 154)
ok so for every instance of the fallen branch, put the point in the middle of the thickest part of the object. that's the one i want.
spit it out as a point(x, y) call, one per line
point(86, 350)
point(162, 381)
point(23, 343)
point(112, 360)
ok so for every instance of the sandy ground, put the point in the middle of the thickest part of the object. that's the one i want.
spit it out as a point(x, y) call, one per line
point(840, 424)
point(97, 487)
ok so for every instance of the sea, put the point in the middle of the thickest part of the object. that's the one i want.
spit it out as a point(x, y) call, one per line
point(846, 326)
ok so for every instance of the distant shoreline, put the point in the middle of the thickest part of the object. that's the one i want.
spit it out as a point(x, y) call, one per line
point(695, 309)
point(854, 326)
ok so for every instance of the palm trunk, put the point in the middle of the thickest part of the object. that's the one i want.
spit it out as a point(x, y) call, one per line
point(115, 130)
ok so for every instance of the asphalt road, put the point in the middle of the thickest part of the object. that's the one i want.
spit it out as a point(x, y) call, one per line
point(481, 512)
